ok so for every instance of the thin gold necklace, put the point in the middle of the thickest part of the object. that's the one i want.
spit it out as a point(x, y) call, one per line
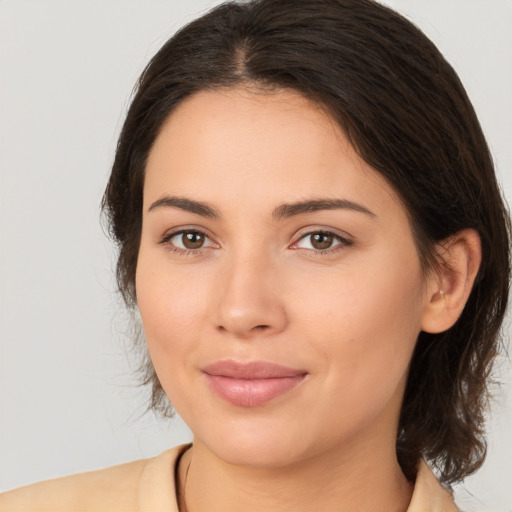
point(183, 497)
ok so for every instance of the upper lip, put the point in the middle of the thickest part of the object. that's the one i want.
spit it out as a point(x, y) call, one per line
point(251, 370)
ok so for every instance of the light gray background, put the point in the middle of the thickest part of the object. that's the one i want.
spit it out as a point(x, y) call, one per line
point(67, 401)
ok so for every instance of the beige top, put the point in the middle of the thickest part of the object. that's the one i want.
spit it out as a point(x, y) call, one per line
point(148, 486)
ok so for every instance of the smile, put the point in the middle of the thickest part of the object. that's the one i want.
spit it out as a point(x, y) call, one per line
point(251, 384)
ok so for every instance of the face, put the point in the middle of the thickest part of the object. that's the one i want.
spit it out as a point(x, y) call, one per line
point(278, 282)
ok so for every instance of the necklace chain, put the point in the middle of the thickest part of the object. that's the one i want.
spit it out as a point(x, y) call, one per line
point(183, 508)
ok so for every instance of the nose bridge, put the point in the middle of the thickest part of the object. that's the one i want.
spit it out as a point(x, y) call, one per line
point(249, 299)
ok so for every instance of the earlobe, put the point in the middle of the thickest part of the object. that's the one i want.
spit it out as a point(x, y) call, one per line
point(449, 286)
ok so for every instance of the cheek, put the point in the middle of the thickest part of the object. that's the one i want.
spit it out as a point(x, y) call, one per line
point(172, 309)
point(171, 305)
point(365, 323)
point(351, 299)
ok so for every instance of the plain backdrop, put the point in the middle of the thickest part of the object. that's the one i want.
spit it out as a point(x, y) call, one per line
point(67, 397)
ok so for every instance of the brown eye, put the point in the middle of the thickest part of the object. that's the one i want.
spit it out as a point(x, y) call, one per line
point(188, 240)
point(192, 239)
point(322, 241)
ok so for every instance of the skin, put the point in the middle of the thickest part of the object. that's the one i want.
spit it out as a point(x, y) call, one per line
point(258, 289)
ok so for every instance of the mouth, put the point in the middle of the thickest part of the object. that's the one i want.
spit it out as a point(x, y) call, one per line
point(251, 384)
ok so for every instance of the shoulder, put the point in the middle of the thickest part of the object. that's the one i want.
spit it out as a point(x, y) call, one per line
point(84, 491)
point(124, 487)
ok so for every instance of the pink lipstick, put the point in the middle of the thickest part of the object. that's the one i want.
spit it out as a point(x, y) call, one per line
point(251, 384)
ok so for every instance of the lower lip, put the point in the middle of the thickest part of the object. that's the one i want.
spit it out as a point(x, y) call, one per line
point(252, 392)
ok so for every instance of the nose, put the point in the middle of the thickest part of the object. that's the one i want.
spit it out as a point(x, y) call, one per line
point(250, 299)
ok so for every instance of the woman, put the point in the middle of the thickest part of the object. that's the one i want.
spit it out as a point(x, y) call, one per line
point(310, 226)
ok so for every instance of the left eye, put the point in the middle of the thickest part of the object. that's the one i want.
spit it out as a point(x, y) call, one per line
point(319, 241)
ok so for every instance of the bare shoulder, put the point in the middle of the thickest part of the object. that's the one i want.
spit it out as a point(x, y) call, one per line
point(113, 488)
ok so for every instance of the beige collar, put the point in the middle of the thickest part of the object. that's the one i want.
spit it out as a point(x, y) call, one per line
point(157, 490)
point(429, 495)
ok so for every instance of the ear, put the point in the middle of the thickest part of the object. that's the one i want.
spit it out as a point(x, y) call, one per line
point(449, 286)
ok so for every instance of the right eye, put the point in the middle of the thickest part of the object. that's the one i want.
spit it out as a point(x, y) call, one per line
point(188, 240)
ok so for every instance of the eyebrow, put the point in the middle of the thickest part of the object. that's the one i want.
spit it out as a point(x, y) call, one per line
point(315, 205)
point(281, 212)
point(197, 207)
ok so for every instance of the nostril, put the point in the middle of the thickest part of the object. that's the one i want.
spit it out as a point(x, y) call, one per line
point(260, 327)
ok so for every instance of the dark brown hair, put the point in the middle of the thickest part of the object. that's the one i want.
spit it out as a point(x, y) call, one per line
point(405, 111)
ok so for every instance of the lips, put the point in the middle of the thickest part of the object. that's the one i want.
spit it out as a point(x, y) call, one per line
point(251, 384)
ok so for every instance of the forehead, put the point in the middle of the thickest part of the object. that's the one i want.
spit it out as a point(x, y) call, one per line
point(241, 143)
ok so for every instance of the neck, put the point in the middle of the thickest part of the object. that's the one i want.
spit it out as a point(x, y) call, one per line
point(362, 480)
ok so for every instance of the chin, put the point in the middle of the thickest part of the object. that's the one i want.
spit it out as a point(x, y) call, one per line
point(256, 445)
point(256, 455)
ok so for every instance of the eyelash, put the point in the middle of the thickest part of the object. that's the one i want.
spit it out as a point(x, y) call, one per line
point(342, 242)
